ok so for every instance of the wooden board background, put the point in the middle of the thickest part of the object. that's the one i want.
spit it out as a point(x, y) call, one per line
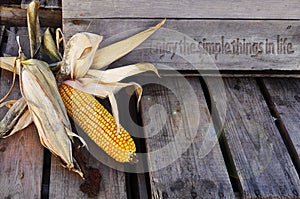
point(268, 9)
point(176, 46)
point(198, 172)
point(207, 35)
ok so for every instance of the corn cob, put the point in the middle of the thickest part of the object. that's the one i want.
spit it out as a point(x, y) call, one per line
point(98, 124)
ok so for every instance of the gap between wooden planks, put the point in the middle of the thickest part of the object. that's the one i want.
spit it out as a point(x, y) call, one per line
point(199, 170)
point(258, 155)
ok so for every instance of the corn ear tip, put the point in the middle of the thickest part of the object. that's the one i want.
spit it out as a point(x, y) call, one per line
point(133, 158)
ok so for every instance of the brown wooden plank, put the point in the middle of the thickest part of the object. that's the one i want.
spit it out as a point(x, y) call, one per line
point(15, 16)
point(182, 9)
point(285, 95)
point(21, 165)
point(179, 44)
point(43, 3)
point(21, 155)
point(199, 171)
point(65, 184)
point(259, 156)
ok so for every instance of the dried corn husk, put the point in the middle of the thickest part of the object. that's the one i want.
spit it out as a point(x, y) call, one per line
point(39, 89)
point(33, 27)
point(7, 63)
point(11, 117)
point(111, 53)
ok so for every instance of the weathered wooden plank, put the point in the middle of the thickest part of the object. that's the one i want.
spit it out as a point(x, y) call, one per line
point(2, 29)
point(21, 155)
point(15, 16)
point(171, 114)
point(285, 95)
point(43, 3)
point(260, 158)
point(21, 165)
point(64, 184)
point(204, 44)
point(182, 9)
point(12, 47)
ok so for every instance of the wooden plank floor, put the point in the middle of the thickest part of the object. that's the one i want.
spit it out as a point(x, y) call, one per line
point(198, 171)
point(256, 158)
point(233, 137)
point(255, 144)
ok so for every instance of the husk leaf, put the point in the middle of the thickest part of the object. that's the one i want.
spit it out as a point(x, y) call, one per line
point(50, 46)
point(7, 63)
point(107, 55)
point(12, 116)
point(118, 74)
point(24, 121)
point(33, 27)
point(79, 53)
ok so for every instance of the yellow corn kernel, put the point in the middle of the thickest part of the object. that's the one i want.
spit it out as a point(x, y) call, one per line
point(98, 124)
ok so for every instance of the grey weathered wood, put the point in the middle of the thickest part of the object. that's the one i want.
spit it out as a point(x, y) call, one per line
point(182, 9)
point(184, 36)
point(43, 3)
point(258, 153)
point(198, 172)
point(12, 47)
point(285, 94)
point(21, 155)
point(21, 165)
point(2, 29)
point(65, 184)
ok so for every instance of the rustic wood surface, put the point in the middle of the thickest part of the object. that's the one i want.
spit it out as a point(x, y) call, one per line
point(12, 47)
point(21, 155)
point(12, 15)
point(260, 159)
point(177, 46)
point(285, 95)
point(182, 9)
point(198, 172)
point(64, 184)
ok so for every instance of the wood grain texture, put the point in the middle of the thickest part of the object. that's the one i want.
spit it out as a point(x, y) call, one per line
point(201, 44)
point(21, 155)
point(200, 170)
point(285, 94)
point(65, 184)
point(272, 9)
point(12, 47)
point(2, 29)
point(260, 159)
point(15, 16)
